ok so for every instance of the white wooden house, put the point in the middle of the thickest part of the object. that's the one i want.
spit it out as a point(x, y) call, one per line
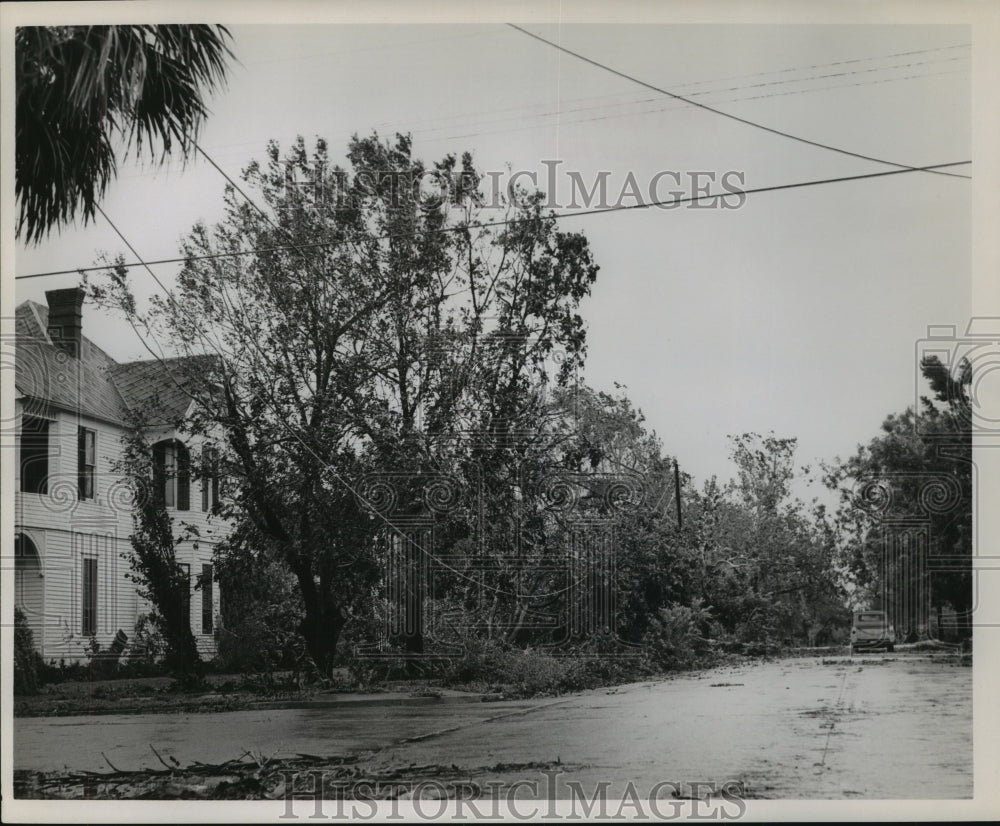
point(73, 516)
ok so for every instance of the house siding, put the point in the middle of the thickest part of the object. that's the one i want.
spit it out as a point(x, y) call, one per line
point(66, 530)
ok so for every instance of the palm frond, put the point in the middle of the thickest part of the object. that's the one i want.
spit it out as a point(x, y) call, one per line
point(80, 87)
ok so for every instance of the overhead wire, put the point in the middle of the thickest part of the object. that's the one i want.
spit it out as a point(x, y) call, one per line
point(845, 62)
point(674, 107)
point(785, 82)
point(728, 115)
point(506, 222)
point(160, 357)
point(541, 118)
point(519, 113)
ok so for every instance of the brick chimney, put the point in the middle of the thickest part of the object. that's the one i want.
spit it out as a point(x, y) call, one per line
point(66, 318)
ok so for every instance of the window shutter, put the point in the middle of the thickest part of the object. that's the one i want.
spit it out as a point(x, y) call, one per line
point(164, 473)
point(215, 478)
point(34, 457)
point(186, 591)
point(89, 619)
point(86, 460)
point(206, 599)
point(206, 479)
point(183, 478)
point(81, 462)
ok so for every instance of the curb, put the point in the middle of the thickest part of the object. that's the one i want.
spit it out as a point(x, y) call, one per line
point(366, 701)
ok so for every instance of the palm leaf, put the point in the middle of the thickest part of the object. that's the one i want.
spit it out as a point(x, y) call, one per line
point(80, 87)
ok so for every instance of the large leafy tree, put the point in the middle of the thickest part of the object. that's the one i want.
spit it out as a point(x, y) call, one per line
point(361, 329)
point(83, 92)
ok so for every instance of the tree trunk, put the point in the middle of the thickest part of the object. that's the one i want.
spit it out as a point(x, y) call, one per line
point(182, 658)
point(322, 623)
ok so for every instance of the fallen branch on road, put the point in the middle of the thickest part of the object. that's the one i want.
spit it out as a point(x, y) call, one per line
point(243, 779)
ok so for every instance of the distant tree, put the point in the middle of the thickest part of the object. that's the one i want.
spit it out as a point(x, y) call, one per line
point(932, 447)
point(765, 468)
point(946, 428)
point(81, 90)
point(654, 561)
point(784, 580)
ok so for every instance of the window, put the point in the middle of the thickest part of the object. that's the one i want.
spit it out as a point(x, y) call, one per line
point(88, 625)
point(86, 460)
point(209, 478)
point(186, 592)
point(206, 599)
point(172, 474)
point(34, 455)
point(27, 573)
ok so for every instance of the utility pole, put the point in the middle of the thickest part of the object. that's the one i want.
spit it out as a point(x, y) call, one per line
point(677, 494)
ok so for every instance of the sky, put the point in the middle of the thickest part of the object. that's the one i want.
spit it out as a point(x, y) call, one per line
point(798, 312)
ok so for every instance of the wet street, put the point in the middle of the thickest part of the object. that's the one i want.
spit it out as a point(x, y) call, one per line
point(871, 727)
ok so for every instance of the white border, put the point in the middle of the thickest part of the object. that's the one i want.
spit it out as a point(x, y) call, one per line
point(983, 17)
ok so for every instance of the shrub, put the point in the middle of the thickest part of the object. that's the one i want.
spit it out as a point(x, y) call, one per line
point(261, 613)
point(26, 659)
point(498, 666)
point(53, 672)
point(147, 645)
point(258, 641)
point(678, 636)
point(495, 664)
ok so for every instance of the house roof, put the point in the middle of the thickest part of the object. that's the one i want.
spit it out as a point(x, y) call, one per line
point(47, 374)
point(95, 384)
point(157, 387)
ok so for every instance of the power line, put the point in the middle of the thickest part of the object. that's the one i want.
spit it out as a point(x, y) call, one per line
point(728, 115)
point(139, 261)
point(673, 107)
point(828, 75)
point(247, 198)
point(440, 124)
point(518, 111)
point(704, 92)
point(851, 61)
point(836, 63)
point(159, 357)
point(540, 117)
point(509, 221)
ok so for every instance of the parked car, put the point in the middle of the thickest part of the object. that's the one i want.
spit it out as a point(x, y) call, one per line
point(871, 631)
